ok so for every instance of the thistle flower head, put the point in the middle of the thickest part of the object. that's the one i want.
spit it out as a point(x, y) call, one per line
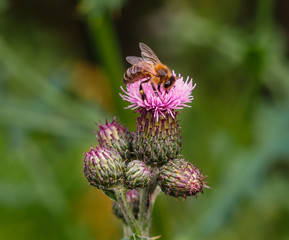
point(137, 175)
point(112, 135)
point(156, 142)
point(179, 178)
point(162, 102)
point(103, 168)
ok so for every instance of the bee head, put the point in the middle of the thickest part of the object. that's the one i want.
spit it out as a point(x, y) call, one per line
point(170, 82)
point(162, 72)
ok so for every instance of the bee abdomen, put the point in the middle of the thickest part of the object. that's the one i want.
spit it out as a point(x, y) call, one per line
point(132, 74)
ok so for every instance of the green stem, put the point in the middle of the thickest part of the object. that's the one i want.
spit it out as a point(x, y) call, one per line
point(126, 230)
point(127, 212)
point(144, 202)
point(147, 199)
point(154, 195)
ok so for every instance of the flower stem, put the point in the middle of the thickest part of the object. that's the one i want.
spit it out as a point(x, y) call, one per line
point(127, 212)
point(126, 230)
point(147, 199)
point(144, 202)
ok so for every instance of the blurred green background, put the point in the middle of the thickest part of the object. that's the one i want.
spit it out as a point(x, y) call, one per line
point(61, 66)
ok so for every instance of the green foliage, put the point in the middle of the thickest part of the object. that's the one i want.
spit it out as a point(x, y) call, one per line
point(97, 8)
point(236, 131)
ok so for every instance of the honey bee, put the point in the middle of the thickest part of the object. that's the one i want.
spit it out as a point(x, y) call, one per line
point(148, 68)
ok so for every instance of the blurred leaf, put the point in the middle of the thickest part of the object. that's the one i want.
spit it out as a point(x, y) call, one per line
point(4, 5)
point(40, 87)
point(98, 7)
point(23, 114)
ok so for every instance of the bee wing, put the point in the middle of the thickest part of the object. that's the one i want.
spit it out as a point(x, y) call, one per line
point(134, 60)
point(149, 68)
point(148, 55)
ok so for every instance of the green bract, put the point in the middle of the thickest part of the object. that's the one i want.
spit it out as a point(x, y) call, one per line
point(156, 142)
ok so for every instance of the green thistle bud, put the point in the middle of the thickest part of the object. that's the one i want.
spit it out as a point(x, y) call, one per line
point(114, 136)
point(156, 141)
point(137, 175)
point(179, 178)
point(103, 168)
point(133, 198)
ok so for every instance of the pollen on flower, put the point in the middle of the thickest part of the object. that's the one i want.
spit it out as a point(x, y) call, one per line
point(163, 102)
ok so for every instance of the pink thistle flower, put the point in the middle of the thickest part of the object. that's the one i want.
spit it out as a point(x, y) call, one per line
point(177, 98)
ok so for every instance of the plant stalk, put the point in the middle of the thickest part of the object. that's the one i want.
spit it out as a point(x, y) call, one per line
point(127, 211)
point(126, 230)
point(147, 199)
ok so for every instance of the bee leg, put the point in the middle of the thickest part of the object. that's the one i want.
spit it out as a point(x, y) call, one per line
point(154, 88)
point(159, 87)
point(141, 91)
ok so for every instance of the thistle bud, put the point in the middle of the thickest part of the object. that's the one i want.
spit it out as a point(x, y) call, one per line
point(179, 178)
point(103, 168)
point(137, 175)
point(114, 136)
point(156, 141)
point(132, 197)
